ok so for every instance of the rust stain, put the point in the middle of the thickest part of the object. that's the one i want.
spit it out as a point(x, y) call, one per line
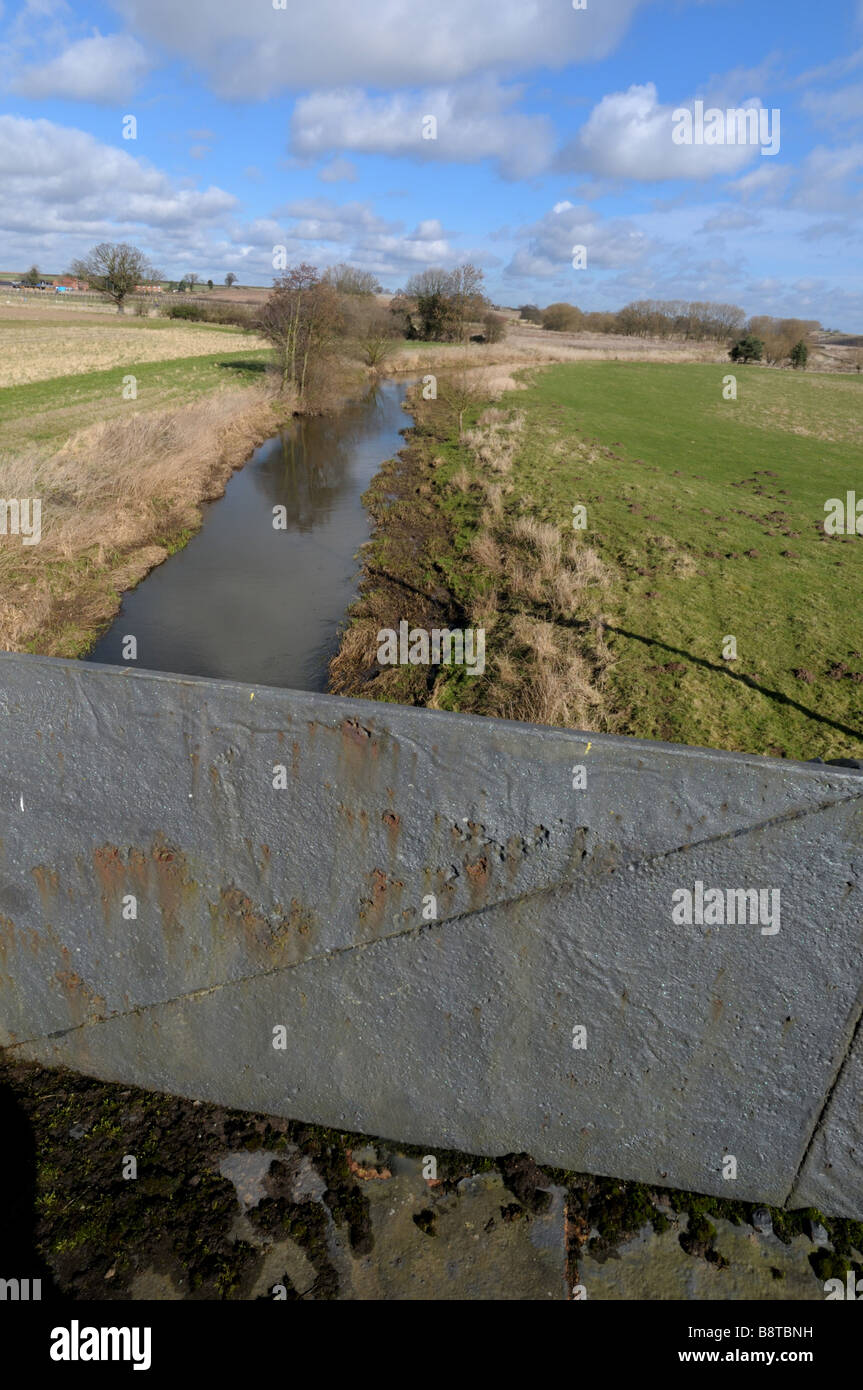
point(83, 1003)
point(478, 870)
point(47, 883)
point(381, 888)
point(277, 931)
point(160, 872)
point(295, 758)
point(367, 1174)
point(7, 936)
point(355, 734)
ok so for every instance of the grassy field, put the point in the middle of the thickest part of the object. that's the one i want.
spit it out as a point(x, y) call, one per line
point(42, 413)
point(37, 349)
point(120, 480)
point(704, 523)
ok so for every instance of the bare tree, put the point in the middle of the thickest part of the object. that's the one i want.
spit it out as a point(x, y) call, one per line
point(466, 297)
point(114, 269)
point(348, 280)
point(301, 318)
point(230, 279)
point(192, 280)
point(446, 300)
point(459, 394)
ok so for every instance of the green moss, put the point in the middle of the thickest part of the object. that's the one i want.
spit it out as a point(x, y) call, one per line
point(826, 1264)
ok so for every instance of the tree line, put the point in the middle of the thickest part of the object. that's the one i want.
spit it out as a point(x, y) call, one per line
point(755, 339)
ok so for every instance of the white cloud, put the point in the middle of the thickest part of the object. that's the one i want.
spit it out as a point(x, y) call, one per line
point(338, 171)
point(768, 183)
point(100, 69)
point(837, 107)
point(322, 231)
point(63, 190)
point(550, 243)
point(472, 123)
point(830, 180)
point(255, 50)
point(731, 220)
point(628, 135)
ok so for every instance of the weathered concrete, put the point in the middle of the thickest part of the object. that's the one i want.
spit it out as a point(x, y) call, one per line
point(303, 906)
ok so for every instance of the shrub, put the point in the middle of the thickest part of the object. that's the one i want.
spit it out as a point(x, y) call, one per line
point(747, 349)
point(493, 327)
point(799, 354)
point(238, 314)
point(562, 318)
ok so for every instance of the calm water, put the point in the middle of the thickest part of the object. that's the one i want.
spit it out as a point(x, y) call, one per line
point(246, 602)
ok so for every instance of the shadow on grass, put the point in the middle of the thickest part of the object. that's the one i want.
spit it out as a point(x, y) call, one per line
point(723, 670)
point(244, 365)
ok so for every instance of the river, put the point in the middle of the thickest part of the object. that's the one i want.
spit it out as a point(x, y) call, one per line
point(245, 601)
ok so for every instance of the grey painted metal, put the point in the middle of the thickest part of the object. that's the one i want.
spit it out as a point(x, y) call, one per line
point(302, 906)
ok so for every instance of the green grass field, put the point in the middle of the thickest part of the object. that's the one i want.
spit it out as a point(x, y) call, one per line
point(709, 514)
point(46, 412)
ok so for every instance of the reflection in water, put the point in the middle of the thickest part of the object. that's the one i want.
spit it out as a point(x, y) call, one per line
point(244, 601)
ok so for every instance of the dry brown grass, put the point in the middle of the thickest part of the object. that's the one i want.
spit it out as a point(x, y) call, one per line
point(38, 351)
point(113, 498)
point(524, 346)
point(543, 587)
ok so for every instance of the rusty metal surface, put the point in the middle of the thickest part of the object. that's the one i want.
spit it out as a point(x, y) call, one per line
point(302, 906)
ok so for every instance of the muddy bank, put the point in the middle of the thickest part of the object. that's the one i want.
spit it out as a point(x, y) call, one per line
point(124, 1194)
point(456, 546)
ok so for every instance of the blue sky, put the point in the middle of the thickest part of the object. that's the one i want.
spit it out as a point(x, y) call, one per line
point(302, 127)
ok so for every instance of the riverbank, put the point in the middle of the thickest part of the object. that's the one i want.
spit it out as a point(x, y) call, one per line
point(114, 501)
point(453, 548)
point(645, 556)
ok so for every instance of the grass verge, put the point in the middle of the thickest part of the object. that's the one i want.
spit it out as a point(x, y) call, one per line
point(704, 523)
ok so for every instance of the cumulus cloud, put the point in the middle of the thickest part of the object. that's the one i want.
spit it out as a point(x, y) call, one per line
point(628, 135)
point(100, 69)
point(63, 183)
point(322, 231)
point(256, 50)
point(550, 242)
point(471, 123)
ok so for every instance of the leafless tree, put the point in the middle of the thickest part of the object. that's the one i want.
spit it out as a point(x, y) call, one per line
point(114, 269)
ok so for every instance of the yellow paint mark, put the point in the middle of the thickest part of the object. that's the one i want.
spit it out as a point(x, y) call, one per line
point(588, 748)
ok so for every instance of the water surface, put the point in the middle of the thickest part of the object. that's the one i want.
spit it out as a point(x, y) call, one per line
point(244, 601)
